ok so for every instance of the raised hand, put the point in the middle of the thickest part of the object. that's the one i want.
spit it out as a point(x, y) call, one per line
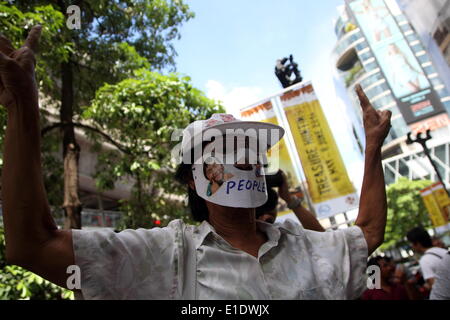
point(376, 123)
point(17, 70)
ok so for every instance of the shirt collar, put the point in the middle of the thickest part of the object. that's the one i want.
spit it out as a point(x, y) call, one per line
point(272, 231)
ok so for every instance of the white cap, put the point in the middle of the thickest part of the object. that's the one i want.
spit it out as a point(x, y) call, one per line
point(221, 124)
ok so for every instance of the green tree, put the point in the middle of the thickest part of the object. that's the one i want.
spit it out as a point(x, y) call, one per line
point(115, 38)
point(406, 210)
point(154, 106)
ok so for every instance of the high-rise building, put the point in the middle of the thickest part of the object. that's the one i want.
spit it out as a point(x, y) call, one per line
point(431, 19)
point(379, 48)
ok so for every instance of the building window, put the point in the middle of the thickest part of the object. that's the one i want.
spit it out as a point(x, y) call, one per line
point(412, 37)
point(442, 93)
point(400, 18)
point(436, 82)
point(423, 58)
point(405, 27)
point(429, 69)
point(371, 79)
point(360, 46)
point(382, 101)
point(371, 66)
point(399, 127)
point(389, 176)
point(447, 105)
point(366, 55)
point(417, 47)
point(373, 92)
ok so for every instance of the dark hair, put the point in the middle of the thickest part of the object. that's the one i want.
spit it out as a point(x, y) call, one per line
point(197, 205)
point(270, 205)
point(419, 235)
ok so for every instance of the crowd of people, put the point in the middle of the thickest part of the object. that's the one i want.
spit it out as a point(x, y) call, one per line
point(430, 281)
point(397, 280)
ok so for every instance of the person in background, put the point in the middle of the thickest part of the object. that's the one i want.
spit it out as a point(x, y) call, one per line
point(268, 211)
point(438, 243)
point(431, 256)
point(394, 285)
point(441, 286)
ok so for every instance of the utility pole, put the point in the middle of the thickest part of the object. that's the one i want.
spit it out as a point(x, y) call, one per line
point(423, 142)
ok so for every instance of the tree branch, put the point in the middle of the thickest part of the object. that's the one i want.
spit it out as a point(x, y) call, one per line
point(47, 129)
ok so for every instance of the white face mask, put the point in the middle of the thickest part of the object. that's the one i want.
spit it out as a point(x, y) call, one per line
point(230, 186)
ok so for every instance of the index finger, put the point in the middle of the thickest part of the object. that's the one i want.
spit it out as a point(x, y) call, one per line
point(364, 101)
point(32, 40)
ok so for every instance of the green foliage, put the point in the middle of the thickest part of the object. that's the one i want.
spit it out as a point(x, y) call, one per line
point(18, 283)
point(116, 39)
point(142, 113)
point(406, 210)
point(15, 25)
point(353, 73)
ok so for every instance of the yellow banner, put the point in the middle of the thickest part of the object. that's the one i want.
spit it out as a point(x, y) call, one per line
point(321, 161)
point(284, 161)
point(433, 208)
point(264, 112)
point(442, 199)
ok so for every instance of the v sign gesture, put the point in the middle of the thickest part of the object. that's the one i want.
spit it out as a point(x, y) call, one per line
point(373, 204)
point(17, 77)
point(376, 123)
point(32, 238)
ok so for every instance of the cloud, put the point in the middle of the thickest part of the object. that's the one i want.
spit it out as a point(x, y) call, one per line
point(233, 98)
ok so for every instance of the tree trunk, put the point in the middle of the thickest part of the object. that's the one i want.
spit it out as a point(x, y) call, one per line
point(139, 215)
point(71, 151)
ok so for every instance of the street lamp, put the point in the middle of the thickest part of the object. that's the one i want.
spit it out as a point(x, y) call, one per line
point(423, 142)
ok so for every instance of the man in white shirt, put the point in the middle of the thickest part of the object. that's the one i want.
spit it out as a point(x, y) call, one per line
point(441, 286)
point(431, 256)
point(229, 256)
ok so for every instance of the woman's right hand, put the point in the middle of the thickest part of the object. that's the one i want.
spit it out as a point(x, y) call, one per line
point(17, 71)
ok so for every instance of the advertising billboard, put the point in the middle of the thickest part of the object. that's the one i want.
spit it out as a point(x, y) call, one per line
point(415, 96)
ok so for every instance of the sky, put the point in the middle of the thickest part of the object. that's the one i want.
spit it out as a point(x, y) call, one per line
point(230, 47)
point(229, 50)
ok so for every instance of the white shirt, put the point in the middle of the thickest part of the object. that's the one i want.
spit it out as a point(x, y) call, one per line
point(430, 259)
point(154, 264)
point(441, 286)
